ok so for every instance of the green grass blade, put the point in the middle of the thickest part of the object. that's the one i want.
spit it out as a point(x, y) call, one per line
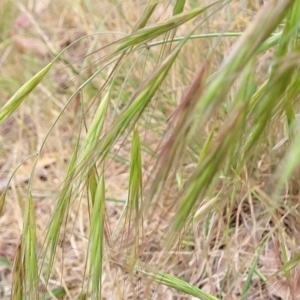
point(147, 13)
point(146, 34)
point(135, 192)
point(59, 216)
point(176, 283)
point(18, 273)
point(2, 200)
point(59, 293)
point(30, 252)
point(92, 183)
point(135, 178)
point(96, 240)
point(14, 102)
point(95, 129)
point(289, 163)
point(250, 276)
point(206, 147)
point(179, 6)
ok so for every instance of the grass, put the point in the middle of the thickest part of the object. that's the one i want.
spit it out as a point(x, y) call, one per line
point(149, 150)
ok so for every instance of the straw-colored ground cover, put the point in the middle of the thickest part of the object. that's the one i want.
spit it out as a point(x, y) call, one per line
point(149, 149)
